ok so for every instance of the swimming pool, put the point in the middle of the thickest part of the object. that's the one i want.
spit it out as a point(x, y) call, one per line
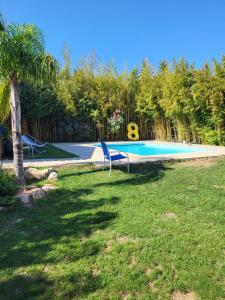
point(143, 149)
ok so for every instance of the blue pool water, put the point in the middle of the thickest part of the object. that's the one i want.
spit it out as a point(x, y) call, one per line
point(154, 149)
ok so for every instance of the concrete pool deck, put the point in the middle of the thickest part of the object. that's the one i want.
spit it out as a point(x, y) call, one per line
point(89, 153)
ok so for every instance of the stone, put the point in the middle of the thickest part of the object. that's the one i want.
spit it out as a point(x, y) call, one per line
point(33, 173)
point(53, 176)
point(37, 193)
point(31, 193)
point(24, 197)
point(28, 187)
point(27, 195)
point(49, 187)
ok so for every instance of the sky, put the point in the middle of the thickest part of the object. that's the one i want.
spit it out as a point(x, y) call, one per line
point(126, 31)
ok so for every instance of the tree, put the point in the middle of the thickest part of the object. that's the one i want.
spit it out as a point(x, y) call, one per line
point(149, 90)
point(4, 88)
point(22, 59)
point(177, 101)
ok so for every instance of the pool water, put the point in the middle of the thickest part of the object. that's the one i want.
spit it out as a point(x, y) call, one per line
point(155, 149)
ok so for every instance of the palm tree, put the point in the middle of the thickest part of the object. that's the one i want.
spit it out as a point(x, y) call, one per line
point(22, 58)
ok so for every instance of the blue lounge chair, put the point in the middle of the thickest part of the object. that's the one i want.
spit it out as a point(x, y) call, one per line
point(108, 156)
point(32, 144)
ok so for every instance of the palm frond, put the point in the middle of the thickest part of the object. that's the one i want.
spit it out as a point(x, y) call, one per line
point(2, 23)
point(22, 55)
point(43, 69)
point(4, 100)
point(27, 37)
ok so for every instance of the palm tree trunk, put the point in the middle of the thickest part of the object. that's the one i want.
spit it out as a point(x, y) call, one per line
point(16, 131)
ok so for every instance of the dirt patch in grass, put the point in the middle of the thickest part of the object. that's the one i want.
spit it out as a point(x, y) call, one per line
point(169, 215)
point(84, 238)
point(120, 240)
point(95, 272)
point(159, 267)
point(108, 246)
point(138, 295)
point(148, 271)
point(46, 268)
point(200, 162)
point(132, 261)
point(220, 187)
point(151, 286)
point(124, 295)
point(183, 296)
point(126, 239)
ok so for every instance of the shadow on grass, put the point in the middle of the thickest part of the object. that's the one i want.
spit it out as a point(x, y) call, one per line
point(38, 286)
point(90, 170)
point(139, 174)
point(23, 287)
point(58, 230)
point(55, 230)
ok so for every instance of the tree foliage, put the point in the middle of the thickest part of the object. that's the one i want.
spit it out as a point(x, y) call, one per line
point(175, 102)
point(22, 58)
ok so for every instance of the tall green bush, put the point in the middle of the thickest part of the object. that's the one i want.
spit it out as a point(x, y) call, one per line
point(8, 186)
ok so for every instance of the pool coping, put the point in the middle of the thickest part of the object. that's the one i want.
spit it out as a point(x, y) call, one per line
point(89, 153)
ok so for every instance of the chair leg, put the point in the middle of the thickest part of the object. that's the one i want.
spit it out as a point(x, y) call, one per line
point(104, 163)
point(128, 165)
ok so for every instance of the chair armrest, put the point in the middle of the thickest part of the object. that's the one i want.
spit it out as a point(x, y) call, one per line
point(26, 147)
point(113, 151)
point(124, 153)
point(119, 152)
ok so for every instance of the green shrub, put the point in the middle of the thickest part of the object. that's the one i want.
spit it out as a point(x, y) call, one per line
point(209, 136)
point(9, 202)
point(8, 186)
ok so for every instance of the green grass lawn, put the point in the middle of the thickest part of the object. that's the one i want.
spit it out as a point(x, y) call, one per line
point(50, 151)
point(142, 235)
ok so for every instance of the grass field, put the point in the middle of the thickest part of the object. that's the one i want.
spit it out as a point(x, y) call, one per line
point(156, 233)
point(50, 151)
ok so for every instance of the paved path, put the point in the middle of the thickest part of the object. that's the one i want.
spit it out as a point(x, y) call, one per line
point(89, 153)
